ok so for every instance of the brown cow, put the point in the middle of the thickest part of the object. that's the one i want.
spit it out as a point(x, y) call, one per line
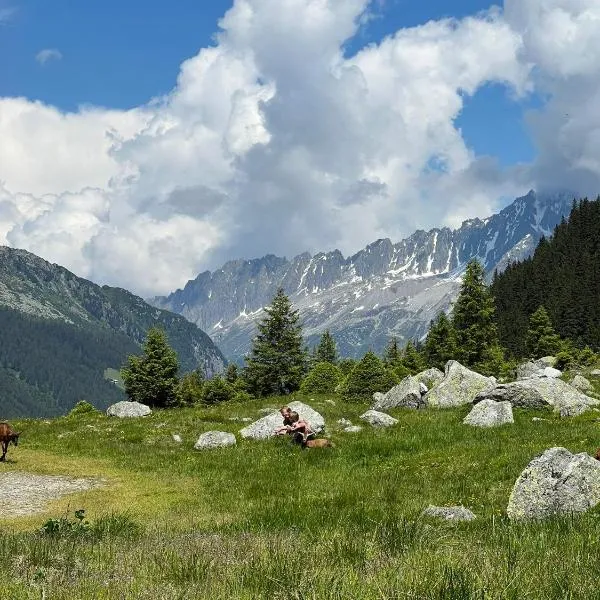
point(7, 435)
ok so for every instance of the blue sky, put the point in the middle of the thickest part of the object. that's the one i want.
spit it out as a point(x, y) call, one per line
point(121, 53)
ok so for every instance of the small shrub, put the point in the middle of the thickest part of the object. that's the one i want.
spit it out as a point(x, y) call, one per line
point(83, 408)
point(217, 390)
point(242, 396)
point(369, 376)
point(77, 526)
point(67, 527)
point(323, 378)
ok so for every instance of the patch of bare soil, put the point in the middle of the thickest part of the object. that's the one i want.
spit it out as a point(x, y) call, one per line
point(25, 493)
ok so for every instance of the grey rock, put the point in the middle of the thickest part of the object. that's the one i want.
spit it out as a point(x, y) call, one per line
point(353, 429)
point(581, 383)
point(407, 393)
point(547, 361)
point(595, 373)
point(265, 428)
point(378, 419)
point(378, 397)
point(489, 413)
point(538, 392)
point(177, 438)
point(450, 513)
point(127, 409)
point(536, 419)
point(344, 422)
point(214, 439)
point(460, 386)
point(557, 482)
point(430, 377)
point(528, 369)
point(551, 372)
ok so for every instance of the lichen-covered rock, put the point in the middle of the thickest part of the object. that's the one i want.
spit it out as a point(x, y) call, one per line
point(344, 422)
point(489, 413)
point(430, 377)
point(378, 419)
point(177, 438)
point(126, 409)
point(538, 392)
point(353, 429)
point(215, 439)
point(557, 482)
point(581, 383)
point(265, 428)
point(378, 397)
point(595, 373)
point(460, 386)
point(450, 513)
point(407, 393)
point(543, 367)
point(551, 372)
point(528, 369)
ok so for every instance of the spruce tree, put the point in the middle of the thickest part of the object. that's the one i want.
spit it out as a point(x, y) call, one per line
point(323, 378)
point(152, 378)
point(412, 359)
point(278, 359)
point(541, 339)
point(231, 373)
point(440, 344)
point(326, 351)
point(473, 321)
point(189, 388)
point(392, 355)
point(367, 377)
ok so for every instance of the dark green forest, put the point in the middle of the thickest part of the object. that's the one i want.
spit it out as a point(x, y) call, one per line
point(47, 366)
point(563, 275)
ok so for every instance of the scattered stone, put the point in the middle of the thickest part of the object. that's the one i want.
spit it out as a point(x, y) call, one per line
point(547, 361)
point(595, 373)
point(543, 367)
point(214, 439)
point(430, 377)
point(353, 429)
point(450, 513)
point(489, 413)
point(344, 422)
point(378, 397)
point(556, 482)
point(539, 392)
point(378, 419)
point(552, 372)
point(535, 419)
point(265, 428)
point(330, 401)
point(581, 383)
point(407, 393)
point(459, 386)
point(573, 410)
point(128, 409)
point(177, 438)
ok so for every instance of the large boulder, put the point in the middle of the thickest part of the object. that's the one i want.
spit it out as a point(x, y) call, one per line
point(407, 393)
point(265, 428)
point(489, 413)
point(459, 386)
point(430, 377)
point(538, 392)
point(449, 513)
point(214, 439)
point(126, 409)
point(543, 367)
point(557, 482)
point(581, 383)
point(378, 419)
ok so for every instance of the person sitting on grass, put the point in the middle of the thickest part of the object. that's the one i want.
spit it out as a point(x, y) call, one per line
point(285, 411)
point(300, 429)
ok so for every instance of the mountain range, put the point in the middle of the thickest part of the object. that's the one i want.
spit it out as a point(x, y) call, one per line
point(60, 333)
point(387, 289)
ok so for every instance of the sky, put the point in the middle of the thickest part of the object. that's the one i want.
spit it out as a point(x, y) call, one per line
point(144, 142)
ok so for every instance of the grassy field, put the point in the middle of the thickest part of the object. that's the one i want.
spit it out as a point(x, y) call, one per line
point(267, 520)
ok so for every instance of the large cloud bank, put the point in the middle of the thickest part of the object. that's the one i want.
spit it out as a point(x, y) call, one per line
point(274, 141)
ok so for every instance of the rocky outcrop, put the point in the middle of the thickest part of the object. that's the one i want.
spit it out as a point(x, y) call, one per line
point(407, 393)
point(214, 439)
point(538, 368)
point(581, 383)
point(557, 482)
point(265, 428)
point(460, 386)
point(449, 513)
point(489, 413)
point(127, 409)
point(538, 392)
point(378, 419)
point(430, 377)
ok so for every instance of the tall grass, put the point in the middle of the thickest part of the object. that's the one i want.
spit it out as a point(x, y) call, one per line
point(267, 520)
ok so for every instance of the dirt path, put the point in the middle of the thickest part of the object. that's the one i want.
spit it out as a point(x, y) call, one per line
point(25, 493)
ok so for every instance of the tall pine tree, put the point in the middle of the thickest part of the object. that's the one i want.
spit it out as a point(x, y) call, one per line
point(326, 351)
point(541, 339)
point(277, 361)
point(473, 322)
point(440, 345)
point(152, 378)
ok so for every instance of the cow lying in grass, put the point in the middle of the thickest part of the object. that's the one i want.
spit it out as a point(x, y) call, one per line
point(7, 435)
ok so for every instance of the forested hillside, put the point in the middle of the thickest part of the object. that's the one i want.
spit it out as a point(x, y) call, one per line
point(563, 275)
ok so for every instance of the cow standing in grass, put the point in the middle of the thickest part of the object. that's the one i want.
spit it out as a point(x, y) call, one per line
point(7, 435)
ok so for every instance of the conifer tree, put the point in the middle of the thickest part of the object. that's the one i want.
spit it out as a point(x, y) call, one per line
point(440, 344)
point(189, 388)
point(152, 378)
point(326, 351)
point(278, 359)
point(323, 378)
point(392, 355)
point(367, 377)
point(473, 321)
point(231, 373)
point(541, 339)
point(412, 359)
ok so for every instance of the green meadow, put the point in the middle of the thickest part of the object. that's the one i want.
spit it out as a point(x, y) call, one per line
point(265, 519)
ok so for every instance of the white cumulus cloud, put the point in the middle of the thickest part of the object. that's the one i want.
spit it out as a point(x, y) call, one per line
point(273, 140)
